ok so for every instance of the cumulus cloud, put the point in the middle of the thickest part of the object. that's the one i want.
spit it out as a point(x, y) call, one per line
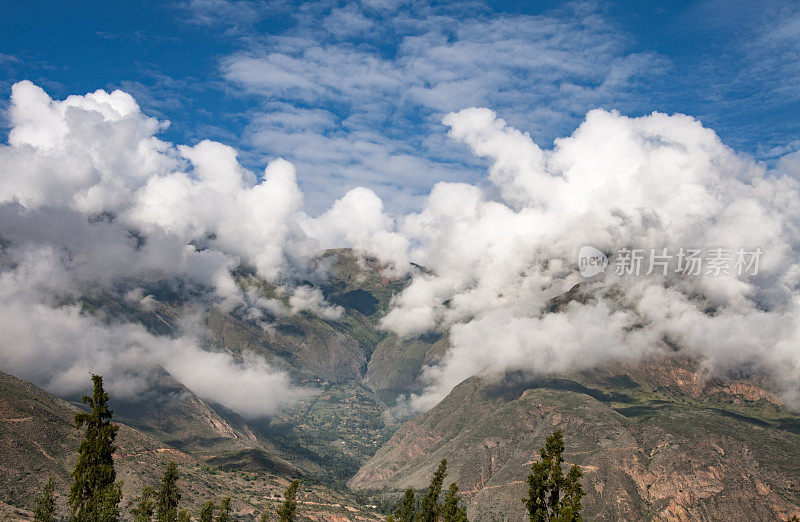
point(358, 219)
point(651, 182)
point(91, 199)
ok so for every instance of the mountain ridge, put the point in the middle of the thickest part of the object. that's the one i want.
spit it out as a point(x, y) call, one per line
point(659, 461)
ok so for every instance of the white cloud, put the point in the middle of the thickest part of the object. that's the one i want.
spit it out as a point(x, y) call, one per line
point(309, 299)
point(58, 347)
point(384, 79)
point(137, 298)
point(89, 196)
point(651, 182)
point(90, 199)
point(358, 219)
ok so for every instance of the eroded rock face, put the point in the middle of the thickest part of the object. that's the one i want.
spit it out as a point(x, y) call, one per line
point(655, 441)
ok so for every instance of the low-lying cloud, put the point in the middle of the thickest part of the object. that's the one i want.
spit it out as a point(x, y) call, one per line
point(57, 346)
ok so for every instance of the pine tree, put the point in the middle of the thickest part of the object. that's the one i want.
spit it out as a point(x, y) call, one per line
point(207, 512)
point(450, 510)
point(94, 496)
point(168, 495)
point(289, 506)
point(429, 509)
point(184, 516)
point(144, 505)
point(45, 504)
point(224, 510)
point(551, 495)
point(405, 511)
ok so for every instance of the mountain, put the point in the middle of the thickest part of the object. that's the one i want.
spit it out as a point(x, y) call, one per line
point(654, 440)
point(170, 413)
point(328, 434)
point(323, 439)
point(38, 440)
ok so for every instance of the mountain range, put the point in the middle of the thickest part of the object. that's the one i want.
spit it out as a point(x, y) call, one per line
point(656, 439)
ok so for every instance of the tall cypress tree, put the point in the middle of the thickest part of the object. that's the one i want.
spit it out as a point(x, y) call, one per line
point(551, 495)
point(289, 506)
point(405, 511)
point(429, 509)
point(94, 496)
point(207, 512)
point(224, 510)
point(451, 511)
point(45, 504)
point(168, 495)
point(144, 505)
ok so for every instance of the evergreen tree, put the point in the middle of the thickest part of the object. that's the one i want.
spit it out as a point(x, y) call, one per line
point(573, 493)
point(109, 503)
point(168, 495)
point(405, 511)
point(451, 511)
point(551, 495)
point(429, 509)
point(224, 510)
point(184, 516)
point(45, 504)
point(207, 512)
point(94, 495)
point(144, 505)
point(267, 513)
point(289, 506)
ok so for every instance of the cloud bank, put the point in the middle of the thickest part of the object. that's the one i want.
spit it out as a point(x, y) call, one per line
point(90, 197)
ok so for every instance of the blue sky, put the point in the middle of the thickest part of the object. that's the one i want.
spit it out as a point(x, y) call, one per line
point(353, 93)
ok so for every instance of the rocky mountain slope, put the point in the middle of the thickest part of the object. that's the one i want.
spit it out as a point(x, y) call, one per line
point(655, 441)
point(38, 440)
point(323, 439)
point(328, 434)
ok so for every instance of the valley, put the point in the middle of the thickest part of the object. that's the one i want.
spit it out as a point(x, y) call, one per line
point(656, 439)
